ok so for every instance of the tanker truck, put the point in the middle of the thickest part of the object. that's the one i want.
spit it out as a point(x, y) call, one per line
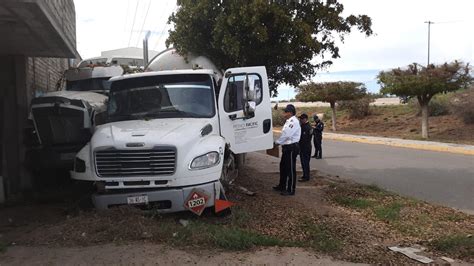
point(177, 134)
point(64, 120)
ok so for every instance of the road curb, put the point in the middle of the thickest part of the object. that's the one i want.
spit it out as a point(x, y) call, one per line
point(402, 143)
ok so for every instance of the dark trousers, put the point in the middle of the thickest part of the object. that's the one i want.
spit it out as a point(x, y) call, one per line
point(305, 157)
point(318, 150)
point(288, 167)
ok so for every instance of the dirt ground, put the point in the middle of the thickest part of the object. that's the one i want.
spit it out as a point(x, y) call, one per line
point(156, 254)
point(398, 123)
point(324, 223)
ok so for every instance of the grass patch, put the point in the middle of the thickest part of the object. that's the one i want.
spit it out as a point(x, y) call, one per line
point(320, 238)
point(389, 212)
point(459, 244)
point(455, 217)
point(227, 237)
point(3, 247)
point(238, 239)
point(353, 203)
point(240, 217)
point(375, 188)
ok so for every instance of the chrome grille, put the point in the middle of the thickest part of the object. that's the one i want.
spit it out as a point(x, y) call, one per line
point(127, 163)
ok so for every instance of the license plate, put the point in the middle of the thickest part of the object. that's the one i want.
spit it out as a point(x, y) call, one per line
point(142, 199)
point(67, 156)
point(196, 202)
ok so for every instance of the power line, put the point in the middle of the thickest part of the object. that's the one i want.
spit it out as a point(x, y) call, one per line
point(144, 20)
point(159, 32)
point(126, 16)
point(133, 24)
point(162, 31)
point(161, 15)
point(449, 22)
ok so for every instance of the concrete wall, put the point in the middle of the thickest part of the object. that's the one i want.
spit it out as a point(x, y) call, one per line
point(44, 28)
point(67, 18)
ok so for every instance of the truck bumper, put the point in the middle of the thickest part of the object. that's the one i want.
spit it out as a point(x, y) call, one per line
point(166, 200)
point(52, 158)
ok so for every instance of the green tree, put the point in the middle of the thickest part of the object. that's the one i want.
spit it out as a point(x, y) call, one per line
point(331, 92)
point(425, 82)
point(284, 36)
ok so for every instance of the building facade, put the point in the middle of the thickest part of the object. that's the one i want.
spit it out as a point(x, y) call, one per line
point(38, 41)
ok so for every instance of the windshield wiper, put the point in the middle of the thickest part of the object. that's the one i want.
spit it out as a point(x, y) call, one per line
point(180, 112)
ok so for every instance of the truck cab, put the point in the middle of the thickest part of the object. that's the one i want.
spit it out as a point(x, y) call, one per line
point(173, 138)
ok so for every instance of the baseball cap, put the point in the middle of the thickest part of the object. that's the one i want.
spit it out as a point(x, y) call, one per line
point(290, 108)
point(303, 116)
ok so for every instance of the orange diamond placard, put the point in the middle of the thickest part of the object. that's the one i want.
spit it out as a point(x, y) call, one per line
point(196, 201)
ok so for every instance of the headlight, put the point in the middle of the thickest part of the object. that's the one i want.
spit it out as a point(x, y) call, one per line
point(205, 161)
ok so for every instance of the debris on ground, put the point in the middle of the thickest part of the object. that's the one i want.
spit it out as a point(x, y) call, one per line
point(184, 222)
point(246, 191)
point(447, 259)
point(411, 253)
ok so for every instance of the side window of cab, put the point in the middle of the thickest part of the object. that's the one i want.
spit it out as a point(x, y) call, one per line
point(233, 98)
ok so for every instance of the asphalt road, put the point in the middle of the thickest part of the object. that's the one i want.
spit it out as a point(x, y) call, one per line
point(443, 178)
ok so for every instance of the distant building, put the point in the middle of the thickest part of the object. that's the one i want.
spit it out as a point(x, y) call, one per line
point(130, 56)
point(128, 52)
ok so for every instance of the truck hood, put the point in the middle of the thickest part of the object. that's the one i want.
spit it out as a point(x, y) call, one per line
point(174, 131)
point(96, 100)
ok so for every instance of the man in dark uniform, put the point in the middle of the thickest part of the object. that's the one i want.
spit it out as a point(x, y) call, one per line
point(305, 146)
point(289, 139)
point(318, 137)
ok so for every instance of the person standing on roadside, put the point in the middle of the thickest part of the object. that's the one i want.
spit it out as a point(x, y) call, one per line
point(318, 137)
point(289, 139)
point(305, 146)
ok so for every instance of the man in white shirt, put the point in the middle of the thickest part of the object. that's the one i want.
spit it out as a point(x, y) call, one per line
point(290, 136)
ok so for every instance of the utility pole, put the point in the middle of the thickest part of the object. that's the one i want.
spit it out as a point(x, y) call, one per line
point(429, 31)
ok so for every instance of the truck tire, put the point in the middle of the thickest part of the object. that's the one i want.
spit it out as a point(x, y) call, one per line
point(229, 170)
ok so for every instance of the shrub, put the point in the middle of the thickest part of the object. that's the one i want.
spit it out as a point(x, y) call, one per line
point(277, 118)
point(462, 105)
point(438, 106)
point(357, 108)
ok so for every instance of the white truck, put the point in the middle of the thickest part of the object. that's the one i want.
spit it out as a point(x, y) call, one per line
point(176, 133)
point(64, 120)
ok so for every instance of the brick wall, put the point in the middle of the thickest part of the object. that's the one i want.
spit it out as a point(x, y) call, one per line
point(43, 73)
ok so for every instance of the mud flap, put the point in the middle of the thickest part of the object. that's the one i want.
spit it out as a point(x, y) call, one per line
point(221, 204)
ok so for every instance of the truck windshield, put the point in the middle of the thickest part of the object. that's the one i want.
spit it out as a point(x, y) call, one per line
point(167, 96)
point(96, 84)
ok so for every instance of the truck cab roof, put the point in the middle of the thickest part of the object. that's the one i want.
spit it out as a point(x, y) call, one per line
point(164, 72)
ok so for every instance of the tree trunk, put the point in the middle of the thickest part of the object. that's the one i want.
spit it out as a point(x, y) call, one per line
point(424, 120)
point(333, 107)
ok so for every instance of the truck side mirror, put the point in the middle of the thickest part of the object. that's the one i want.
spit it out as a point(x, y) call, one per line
point(249, 89)
point(249, 109)
point(249, 97)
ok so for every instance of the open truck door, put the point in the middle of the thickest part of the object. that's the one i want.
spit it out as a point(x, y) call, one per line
point(245, 110)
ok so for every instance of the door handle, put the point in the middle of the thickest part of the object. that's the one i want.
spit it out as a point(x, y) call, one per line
point(267, 123)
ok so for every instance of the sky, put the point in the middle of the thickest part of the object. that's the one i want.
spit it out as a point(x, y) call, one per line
point(400, 34)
